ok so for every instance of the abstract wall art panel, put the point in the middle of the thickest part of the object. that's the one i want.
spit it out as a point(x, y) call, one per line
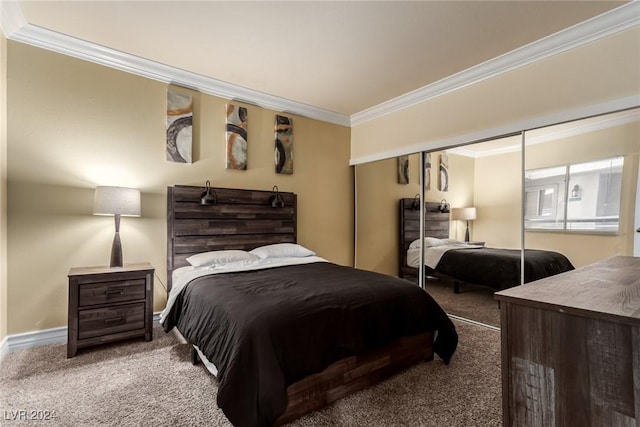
point(403, 169)
point(284, 144)
point(443, 184)
point(427, 171)
point(179, 126)
point(236, 137)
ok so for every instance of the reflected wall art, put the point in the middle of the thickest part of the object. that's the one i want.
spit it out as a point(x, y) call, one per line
point(284, 144)
point(444, 173)
point(427, 171)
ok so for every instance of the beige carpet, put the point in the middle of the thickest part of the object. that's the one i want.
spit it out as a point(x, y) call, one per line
point(473, 302)
point(136, 383)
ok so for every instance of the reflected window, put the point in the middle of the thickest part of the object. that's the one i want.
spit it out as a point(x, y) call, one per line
point(578, 197)
point(543, 198)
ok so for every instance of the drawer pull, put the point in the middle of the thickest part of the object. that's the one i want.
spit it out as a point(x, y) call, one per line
point(113, 320)
point(110, 292)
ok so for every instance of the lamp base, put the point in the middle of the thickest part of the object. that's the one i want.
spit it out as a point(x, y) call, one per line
point(466, 234)
point(116, 252)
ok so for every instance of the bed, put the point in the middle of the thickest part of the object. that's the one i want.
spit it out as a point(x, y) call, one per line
point(460, 262)
point(285, 331)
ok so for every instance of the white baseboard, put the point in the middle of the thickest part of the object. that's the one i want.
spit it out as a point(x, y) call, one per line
point(4, 347)
point(37, 338)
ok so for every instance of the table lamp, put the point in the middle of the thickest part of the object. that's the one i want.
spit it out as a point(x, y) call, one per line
point(117, 201)
point(465, 214)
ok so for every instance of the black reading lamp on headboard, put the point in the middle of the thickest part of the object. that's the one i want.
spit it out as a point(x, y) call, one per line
point(275, 200)
point(444, 206)
point(415, 205)
point(209, 196)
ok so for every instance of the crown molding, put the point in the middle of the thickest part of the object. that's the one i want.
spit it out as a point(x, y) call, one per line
point(18, 29)
point(11, 17)
point(614, 21)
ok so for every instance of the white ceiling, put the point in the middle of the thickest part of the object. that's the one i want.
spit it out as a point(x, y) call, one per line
point(343, 57)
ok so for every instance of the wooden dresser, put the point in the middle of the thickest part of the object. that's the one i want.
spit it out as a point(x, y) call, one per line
point(109, 304)
point(571, 348)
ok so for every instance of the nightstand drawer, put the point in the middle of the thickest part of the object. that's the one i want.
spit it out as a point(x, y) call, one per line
point(108, 292)
point(110, 320)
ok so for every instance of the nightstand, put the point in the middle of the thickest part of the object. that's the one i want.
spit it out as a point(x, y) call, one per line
point(109, 304)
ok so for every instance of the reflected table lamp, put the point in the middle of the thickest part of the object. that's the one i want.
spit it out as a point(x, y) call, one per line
point(116, 201)
point(465, 214)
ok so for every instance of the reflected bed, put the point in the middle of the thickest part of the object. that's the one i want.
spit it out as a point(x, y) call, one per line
point(463, 263)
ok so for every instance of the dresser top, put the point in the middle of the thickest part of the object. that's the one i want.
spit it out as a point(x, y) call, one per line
point(607, 289)
point(79, 271)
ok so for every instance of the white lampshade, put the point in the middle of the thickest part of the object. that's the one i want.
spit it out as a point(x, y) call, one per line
point(464, 214)
point(116, 200)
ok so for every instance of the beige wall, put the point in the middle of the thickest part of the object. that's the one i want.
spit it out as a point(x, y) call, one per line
point(461, 184)
point(73, 125)
point(594, 73)
point(498, 195)
point(377, 205)
point(3, 186)
point(377, 212)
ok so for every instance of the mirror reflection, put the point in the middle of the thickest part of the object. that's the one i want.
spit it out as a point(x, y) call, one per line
point(483, 252)
point(482, 208)
point(581, 187)
point(378, 191)
point(554, 198)
point(573, 202)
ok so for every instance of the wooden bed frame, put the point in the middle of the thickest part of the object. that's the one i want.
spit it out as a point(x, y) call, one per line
point(244, 219)
point(436, 224)
point(241, 219)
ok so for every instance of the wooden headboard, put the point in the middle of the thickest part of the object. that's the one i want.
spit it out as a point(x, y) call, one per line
point(241, 219)
point(436, 224)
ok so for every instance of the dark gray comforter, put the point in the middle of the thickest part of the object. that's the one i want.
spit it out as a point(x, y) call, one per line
point(500, 268)
point(267, 329)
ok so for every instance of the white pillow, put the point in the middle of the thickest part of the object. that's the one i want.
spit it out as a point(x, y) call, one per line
point(431, 242)
point(219, 257)
point(453, 242)
point(428, 242)
point(282, 250)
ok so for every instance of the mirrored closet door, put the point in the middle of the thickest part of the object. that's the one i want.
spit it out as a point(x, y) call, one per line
point(570, 189)
point(484, 198)
point(581, 188)
point(484, 178)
